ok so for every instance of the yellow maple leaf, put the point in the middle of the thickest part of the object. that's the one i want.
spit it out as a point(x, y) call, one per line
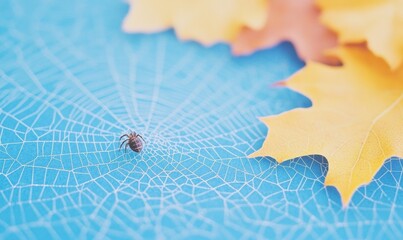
point(378, 22)
point(356, 119)
point(207, 21)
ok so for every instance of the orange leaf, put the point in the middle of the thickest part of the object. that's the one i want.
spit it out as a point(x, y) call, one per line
point(290, 20)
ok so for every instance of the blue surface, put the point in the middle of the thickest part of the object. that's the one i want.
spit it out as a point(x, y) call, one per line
point(71, 83)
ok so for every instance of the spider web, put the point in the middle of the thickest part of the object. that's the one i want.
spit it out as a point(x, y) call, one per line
point(72, 83)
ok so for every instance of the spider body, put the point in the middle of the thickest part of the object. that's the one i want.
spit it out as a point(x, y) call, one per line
point(133, 141)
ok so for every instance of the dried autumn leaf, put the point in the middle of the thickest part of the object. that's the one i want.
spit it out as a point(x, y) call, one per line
point(356, 120)
point(207, 21)
point(378, 22)
point(294, 21)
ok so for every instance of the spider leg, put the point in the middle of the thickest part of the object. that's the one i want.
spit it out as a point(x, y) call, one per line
point(138, 135)
point(134, 133)
point(123, 136)
point(122, 143)
point(127, 144)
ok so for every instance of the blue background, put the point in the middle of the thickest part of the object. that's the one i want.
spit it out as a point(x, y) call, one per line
point(72, 82)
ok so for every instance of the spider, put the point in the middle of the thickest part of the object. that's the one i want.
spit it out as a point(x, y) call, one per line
point(133, 141)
